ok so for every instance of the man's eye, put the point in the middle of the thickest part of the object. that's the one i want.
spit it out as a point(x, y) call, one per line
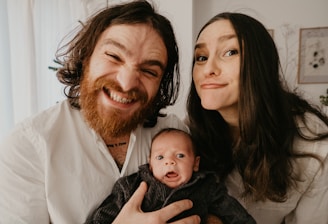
point(159, 157)
point(113, 56)
point(150, 72)
point(231, 52)
point(200, 58)
point(180, 155)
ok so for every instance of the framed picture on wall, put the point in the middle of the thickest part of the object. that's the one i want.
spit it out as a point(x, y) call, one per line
point(313, 55)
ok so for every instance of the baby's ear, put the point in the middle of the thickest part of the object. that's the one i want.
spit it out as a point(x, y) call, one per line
point(196, 163)
point(149, 165)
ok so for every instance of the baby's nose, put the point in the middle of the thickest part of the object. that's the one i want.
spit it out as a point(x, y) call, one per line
point(170, 162)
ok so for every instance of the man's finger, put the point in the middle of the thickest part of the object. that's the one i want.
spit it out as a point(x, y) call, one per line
point(174, 209)
point(138, 196)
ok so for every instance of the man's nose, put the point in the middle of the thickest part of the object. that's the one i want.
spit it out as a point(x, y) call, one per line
point(128, 78)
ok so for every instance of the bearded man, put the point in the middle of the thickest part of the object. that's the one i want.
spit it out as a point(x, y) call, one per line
point(120, 70)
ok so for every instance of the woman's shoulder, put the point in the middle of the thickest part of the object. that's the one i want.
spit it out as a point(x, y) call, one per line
point(311, 123)
point(311, 127)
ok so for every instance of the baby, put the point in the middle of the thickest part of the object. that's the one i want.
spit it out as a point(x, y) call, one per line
point(172, 174)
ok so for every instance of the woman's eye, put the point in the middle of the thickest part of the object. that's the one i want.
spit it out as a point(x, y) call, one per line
point(231, 52)
point(200, 58)
point(159, 157)
point(180, 155)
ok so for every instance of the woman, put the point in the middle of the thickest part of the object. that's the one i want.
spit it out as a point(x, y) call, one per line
point(269, 144)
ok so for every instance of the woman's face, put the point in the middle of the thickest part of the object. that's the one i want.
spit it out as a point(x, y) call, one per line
point(217, 67)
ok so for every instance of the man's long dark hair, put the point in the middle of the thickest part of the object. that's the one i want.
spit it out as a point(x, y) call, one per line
point(73, 55)
point(267, 113)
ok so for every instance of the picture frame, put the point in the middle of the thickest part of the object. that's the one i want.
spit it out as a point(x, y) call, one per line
point(313, 55)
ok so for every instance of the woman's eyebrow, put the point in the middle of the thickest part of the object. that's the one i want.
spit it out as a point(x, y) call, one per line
point(220, 39)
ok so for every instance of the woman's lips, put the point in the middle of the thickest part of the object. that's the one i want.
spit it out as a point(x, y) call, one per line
point(212, 85)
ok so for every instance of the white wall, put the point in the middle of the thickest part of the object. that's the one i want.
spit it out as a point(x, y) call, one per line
point(180, 14)
point(282, 16)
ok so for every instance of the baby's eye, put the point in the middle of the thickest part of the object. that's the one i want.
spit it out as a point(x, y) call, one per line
point(180, 155)
point(159, 157)
point(231, 52)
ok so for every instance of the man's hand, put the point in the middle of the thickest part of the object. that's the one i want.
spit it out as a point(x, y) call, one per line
point(132, 213)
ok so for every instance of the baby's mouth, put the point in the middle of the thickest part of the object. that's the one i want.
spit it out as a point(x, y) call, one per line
point(171, 174)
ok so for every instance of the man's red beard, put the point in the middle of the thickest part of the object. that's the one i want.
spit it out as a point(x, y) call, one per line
point(110, 122)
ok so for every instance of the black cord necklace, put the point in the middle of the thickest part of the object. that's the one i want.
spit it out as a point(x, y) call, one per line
point(116, 144)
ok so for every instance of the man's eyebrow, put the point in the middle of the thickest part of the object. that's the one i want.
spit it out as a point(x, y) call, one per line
point(117, 44)
point(154, 62)
point(110, 41)
point(220, 39)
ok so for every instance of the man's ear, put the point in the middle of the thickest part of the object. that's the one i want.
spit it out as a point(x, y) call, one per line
point(196, 163)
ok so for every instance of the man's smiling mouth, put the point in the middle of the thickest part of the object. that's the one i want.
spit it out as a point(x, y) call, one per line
point(115, 97)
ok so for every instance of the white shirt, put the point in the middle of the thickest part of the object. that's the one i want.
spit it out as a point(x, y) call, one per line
point(308, 205)
point(55, 169)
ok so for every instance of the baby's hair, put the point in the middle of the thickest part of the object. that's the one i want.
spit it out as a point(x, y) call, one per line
point(167, 130)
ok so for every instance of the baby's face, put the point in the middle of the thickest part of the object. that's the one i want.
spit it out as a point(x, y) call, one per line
point(172, 159)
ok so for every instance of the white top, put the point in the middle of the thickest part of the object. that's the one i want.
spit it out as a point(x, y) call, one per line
point(307, 205)
point(54, 168)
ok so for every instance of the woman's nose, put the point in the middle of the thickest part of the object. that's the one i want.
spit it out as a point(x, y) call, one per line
point(128, 78)
point(212, 67)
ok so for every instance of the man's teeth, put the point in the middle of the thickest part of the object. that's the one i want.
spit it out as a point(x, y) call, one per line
point(119, 99)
